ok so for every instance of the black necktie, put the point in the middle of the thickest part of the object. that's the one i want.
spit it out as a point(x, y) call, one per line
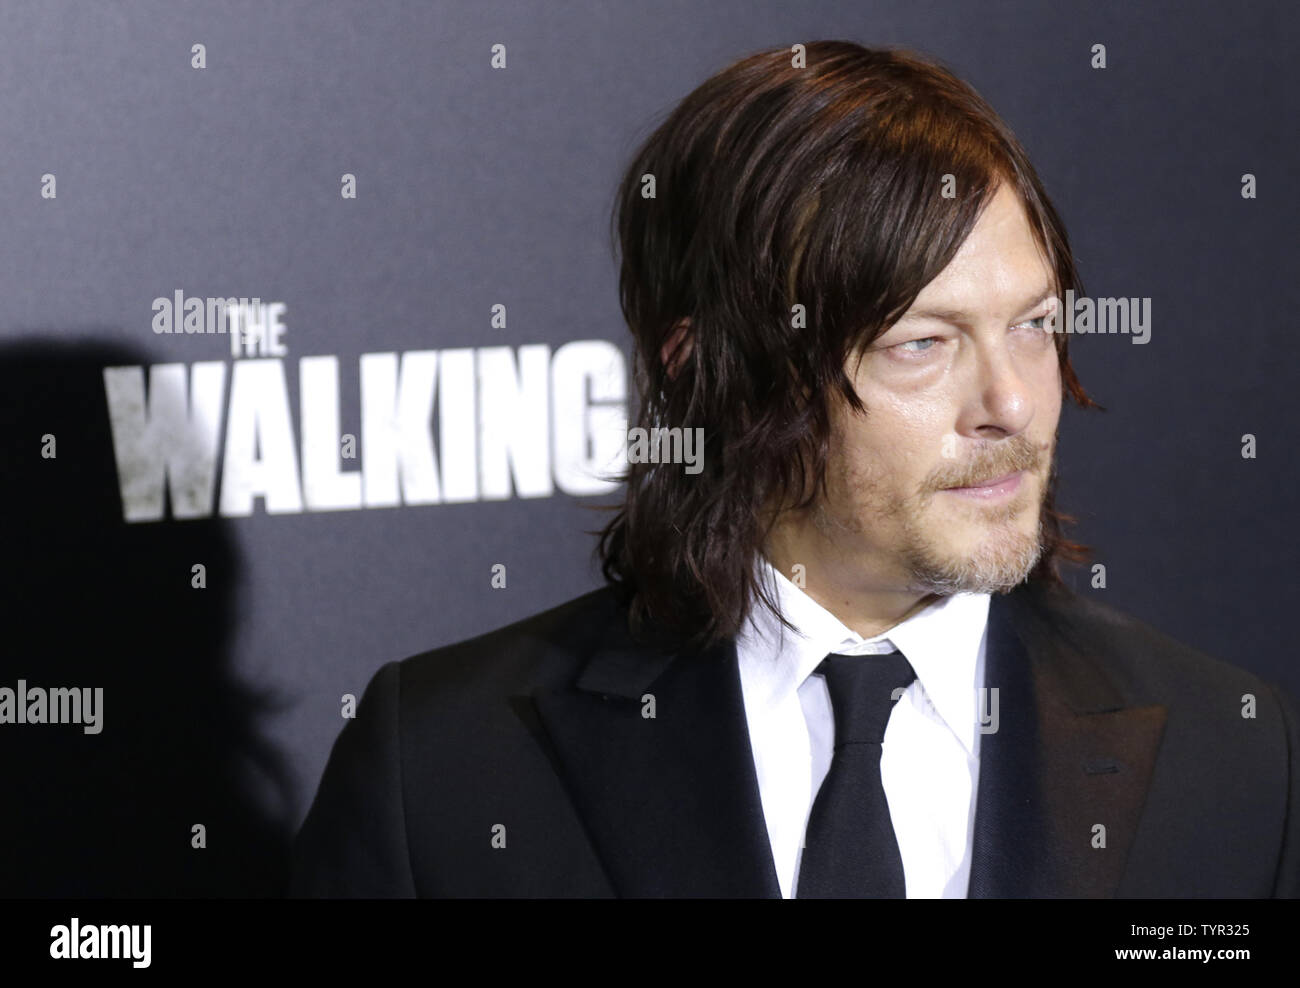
point(850, 850)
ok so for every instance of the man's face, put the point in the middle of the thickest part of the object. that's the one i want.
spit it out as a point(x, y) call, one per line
point(963, 390)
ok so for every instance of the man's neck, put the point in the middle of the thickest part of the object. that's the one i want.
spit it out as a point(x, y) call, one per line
point(859, 606)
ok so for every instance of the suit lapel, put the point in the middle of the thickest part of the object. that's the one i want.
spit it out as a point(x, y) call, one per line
point(672, 804)
point(1068, 756)
point(671, 801)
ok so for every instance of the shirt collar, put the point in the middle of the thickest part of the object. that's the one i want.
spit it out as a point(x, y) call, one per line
point(942, 642)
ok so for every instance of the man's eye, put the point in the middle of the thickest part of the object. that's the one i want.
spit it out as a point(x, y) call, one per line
point(916, 343)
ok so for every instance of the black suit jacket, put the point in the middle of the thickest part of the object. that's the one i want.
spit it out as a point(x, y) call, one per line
point(533, 737)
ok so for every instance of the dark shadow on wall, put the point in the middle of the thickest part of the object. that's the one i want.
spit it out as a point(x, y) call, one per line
point(91, 601)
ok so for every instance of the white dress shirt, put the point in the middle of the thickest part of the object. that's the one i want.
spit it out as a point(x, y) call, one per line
point(930, 754)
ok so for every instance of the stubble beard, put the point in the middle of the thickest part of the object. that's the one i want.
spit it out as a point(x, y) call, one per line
point(1005, 555)
point(1003, 560)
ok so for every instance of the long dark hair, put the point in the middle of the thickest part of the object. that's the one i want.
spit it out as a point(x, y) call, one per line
point(775, 184)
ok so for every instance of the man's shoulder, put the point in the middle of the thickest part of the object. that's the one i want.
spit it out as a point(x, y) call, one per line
point(543, 649)
point(1148, 665)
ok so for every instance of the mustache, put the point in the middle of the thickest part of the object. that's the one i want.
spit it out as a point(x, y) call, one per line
point(990, 462)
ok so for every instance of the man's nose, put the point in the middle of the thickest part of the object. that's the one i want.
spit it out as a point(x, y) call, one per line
point(1002, 400)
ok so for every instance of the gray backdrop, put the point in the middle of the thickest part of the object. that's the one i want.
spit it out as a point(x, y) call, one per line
point(478, 186)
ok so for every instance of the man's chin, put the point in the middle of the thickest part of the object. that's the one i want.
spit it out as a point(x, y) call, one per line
point(994, 564)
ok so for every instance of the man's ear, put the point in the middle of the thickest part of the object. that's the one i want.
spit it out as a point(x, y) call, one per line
point(675, 352)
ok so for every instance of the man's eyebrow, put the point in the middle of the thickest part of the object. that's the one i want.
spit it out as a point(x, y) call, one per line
point(960, 315)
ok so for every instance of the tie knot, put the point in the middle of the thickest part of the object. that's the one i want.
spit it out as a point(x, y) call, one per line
point(864, 689)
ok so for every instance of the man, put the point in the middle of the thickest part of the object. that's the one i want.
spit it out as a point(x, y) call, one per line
point(838, 661)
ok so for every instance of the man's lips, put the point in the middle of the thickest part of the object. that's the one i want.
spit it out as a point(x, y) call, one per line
point(994, 487)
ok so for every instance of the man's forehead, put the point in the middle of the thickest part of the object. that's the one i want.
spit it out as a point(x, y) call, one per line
point(1000, 264)
point(950, 307)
